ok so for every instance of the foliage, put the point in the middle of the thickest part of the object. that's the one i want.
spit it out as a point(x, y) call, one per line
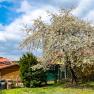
point(38, 76)
point(85, 72)
point(65, 37)
point(26, 62)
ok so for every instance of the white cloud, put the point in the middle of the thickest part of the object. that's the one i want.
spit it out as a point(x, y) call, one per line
point(65, 3)
point(84, 7)
point(85, 10)
point(25, 7)
point(2, 37)
point(89, 17)
point(13, 30)
point(2, 27)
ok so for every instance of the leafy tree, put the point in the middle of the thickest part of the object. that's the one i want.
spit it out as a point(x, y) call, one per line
point(65, 37)
point(26, 62)
point(38, 76)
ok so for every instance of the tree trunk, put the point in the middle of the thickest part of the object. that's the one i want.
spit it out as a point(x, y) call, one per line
point(74, 78)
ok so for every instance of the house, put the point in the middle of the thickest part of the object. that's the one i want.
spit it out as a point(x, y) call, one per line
point(8, 70)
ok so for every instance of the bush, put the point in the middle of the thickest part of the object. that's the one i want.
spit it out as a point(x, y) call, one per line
point(32, 73)
point(26, 62)
point(38, 76)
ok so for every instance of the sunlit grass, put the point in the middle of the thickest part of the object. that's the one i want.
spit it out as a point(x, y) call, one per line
point(54, 89)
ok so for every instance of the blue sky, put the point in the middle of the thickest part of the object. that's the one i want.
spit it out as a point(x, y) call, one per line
point(15, 13)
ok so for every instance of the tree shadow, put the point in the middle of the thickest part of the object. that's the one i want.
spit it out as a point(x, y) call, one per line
point(88, 85)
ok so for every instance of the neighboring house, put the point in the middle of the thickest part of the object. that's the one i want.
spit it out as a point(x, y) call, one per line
point(8, 70)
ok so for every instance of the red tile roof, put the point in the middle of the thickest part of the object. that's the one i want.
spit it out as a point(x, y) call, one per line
point(4, 62)
point(4, 59)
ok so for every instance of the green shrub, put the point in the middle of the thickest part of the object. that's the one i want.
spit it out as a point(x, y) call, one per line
point(26, 62)
point(32, 73)
point(38, 76)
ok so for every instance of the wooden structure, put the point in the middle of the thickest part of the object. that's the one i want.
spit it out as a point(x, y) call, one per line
point(8, 70)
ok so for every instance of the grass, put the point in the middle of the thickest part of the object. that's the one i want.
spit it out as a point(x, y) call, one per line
point(87, 88)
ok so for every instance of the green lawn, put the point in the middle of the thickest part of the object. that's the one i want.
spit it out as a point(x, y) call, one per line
point(87, 88)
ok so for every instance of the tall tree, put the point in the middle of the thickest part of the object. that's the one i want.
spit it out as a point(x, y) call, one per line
point(64, 37)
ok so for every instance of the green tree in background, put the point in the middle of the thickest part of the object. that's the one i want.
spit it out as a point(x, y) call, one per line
point(26, 62)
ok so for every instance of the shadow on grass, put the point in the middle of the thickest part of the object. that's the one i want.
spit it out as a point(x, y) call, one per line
point(87, 85)
point(1, 92)
point(52, 85)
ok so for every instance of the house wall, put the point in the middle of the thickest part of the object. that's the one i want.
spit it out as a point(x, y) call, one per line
point(10, 73)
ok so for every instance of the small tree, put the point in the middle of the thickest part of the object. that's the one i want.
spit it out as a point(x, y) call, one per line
point(26, 62)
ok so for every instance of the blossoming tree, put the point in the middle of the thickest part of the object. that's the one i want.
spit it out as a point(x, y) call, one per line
point(66, 36)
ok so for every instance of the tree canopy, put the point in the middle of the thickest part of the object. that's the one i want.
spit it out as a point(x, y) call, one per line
point(66, 36)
